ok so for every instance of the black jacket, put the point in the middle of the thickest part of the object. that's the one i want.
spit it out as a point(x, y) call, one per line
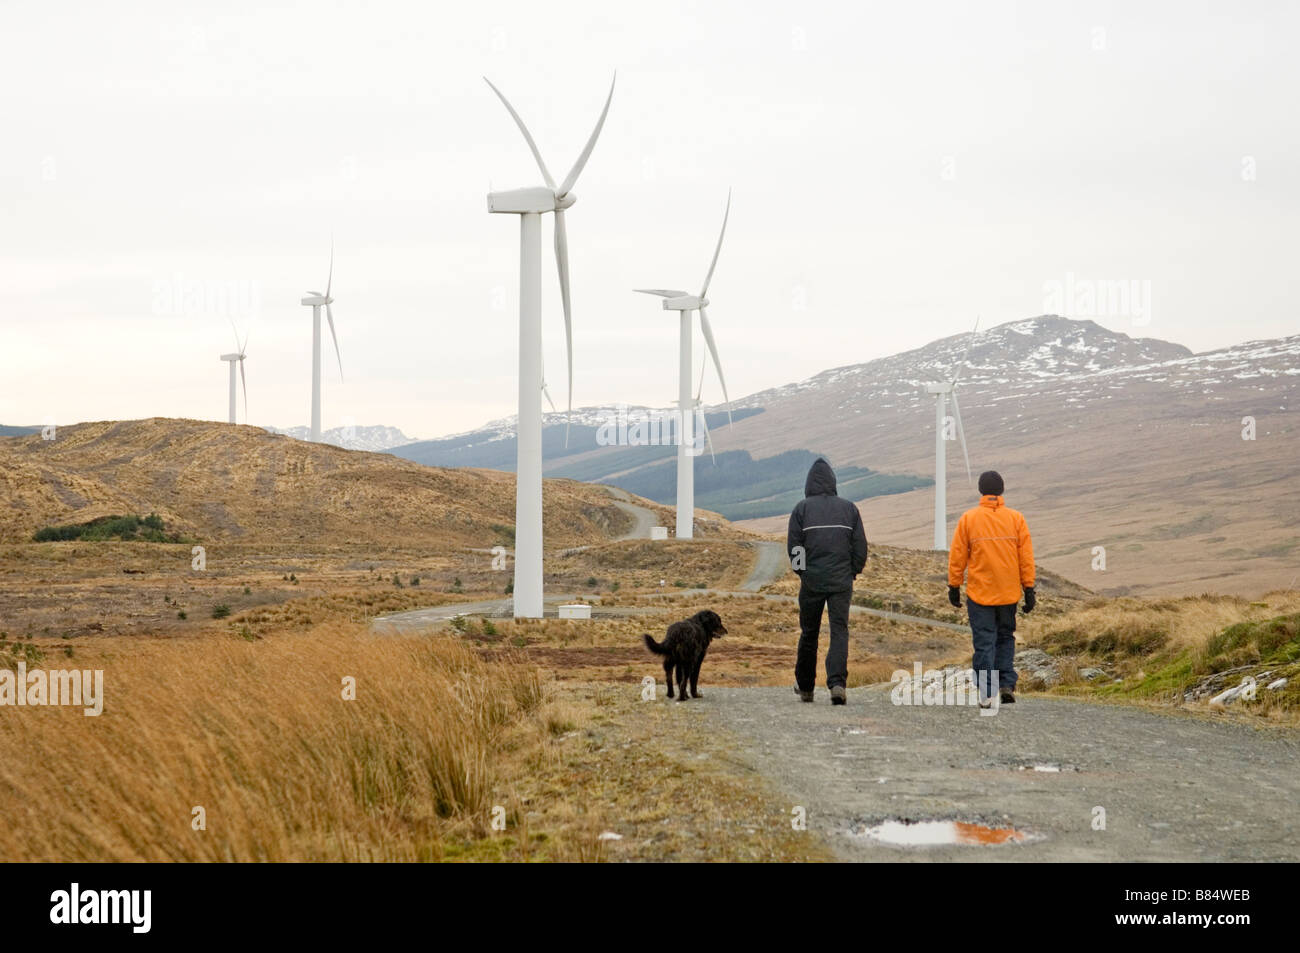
point(829, 530)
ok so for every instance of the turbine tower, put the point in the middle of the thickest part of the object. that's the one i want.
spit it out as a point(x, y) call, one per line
point(530, 204)
point(941, 391)
point(237, 357)
point(315, 300)
point(684, 304)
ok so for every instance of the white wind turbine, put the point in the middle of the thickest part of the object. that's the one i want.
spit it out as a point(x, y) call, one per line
point(530, 204)
point(684, 304)
point(237, 357)
point(315, 300)
point(941, 392)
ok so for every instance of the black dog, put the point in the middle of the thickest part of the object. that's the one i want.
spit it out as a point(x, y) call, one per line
point(684, 648)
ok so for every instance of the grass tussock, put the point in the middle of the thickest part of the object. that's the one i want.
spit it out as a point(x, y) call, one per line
point(1162, 650)
point(260, 737)
point(1131, 627)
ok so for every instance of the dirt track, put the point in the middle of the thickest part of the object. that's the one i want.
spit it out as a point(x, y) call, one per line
point(1173, 788)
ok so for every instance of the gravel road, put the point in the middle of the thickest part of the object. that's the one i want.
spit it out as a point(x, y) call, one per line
point(770, 566)
point(1173, 788)
point(645, 518)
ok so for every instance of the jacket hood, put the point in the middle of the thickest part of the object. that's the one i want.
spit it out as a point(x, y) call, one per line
point(821, 480)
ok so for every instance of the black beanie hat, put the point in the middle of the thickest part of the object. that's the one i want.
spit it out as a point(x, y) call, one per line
point(990, 483)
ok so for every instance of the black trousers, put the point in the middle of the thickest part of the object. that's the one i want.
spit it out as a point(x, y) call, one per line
point(810, 624)
point(993, 636)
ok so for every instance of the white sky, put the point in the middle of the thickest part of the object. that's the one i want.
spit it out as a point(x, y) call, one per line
point(897, 168)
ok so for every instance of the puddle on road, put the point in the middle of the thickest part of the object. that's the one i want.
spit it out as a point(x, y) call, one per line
point(941, 833)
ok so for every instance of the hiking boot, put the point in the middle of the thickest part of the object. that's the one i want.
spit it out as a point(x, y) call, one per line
point(839, 696)
point(803, 695)
point(1008, 697)
point(986, 703)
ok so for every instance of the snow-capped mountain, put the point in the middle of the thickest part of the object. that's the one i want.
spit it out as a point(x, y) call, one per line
point(1181, 467)
point(1145, 466)
point(374, 438)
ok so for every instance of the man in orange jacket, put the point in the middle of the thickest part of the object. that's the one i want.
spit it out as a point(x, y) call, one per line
point(993, 551)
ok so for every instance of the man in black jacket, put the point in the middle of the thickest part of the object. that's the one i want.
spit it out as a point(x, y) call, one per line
point(827, 547)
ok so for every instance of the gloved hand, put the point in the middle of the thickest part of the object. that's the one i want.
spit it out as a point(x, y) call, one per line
point(1030, 600)
point(954, 596)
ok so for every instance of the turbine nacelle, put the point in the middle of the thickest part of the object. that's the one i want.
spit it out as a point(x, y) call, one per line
point(685, 303)
point(537, 199)
point(943, 387)
point(317, 300)
point(232, 357)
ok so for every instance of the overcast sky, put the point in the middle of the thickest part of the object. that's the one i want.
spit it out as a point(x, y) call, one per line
point(896, 167)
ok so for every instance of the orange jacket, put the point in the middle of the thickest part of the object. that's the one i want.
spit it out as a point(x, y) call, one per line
point(992, 541)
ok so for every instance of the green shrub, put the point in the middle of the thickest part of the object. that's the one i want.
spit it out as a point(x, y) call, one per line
point(1276, 640)
point(131, 528)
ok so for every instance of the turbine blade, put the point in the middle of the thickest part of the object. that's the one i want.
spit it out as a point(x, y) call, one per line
point(244, 380)
point(713, 264)
point(661, 292)
point(562, 264)
point(235, 330)
point(713, 349)
point(572, 177)
point(707, 436)
point(545, 390)
point(329, 313)
point(329, 282)
point(961, 432)
point(546, 173)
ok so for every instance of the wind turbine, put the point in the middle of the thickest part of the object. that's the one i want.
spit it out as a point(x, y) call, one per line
point(237, 357)
point(530, 204)
point(315, 300)
point(941, 391)
point(684, 304)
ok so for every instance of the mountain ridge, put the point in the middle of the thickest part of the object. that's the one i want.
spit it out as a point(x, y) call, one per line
point(1105, 439)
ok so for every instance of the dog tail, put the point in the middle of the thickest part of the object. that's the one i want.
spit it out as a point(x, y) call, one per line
point(653, 646)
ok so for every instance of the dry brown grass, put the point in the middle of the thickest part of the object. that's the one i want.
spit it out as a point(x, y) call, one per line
point(439, 736)
point(1156, 652)
point(225, 484)
point(642, 564)
point(260, 737)
point(1139, 627)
